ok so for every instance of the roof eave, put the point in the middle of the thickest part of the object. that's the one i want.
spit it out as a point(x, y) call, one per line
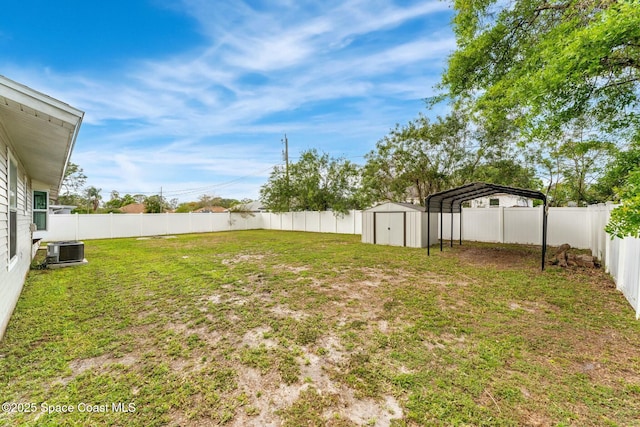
point(42, 131)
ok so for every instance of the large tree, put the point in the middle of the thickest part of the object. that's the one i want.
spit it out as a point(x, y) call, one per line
point(158, 204)
point(572, 163)
point(116, 201)
point(419, 158)
point(611, 183)
point(72, 184)
point(93, 197)
point(545, 63)
point(426, 156)
point(507, 171)
point(316, 182)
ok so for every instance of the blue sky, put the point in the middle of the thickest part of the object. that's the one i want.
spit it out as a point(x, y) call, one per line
point(195, 96)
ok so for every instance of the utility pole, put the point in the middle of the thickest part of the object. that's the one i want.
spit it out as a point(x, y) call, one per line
point(161, 207)
point(286, 160)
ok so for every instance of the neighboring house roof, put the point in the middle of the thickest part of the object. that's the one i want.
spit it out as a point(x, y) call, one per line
point(133, 208)
point(43, 131)
point(211, 209)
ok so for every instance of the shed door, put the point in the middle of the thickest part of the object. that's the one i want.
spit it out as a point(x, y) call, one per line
point(390, 228)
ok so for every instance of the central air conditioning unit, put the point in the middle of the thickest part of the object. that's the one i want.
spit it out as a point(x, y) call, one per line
point(63, 252)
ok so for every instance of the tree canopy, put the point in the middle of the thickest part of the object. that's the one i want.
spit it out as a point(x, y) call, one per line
point(555, 68)
point(316, 182)
point(417, 159)
point(158, 204)
point(547, 63)
point(625, 219)
point(72, 185)
point(426, 156)
point(116, 201)
point(93, 197)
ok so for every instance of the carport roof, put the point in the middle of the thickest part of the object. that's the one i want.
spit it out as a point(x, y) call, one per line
point(451, 200)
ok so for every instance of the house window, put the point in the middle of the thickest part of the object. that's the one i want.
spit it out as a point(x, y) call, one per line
point(13, 209)
point(494, 202)
point(40, 209)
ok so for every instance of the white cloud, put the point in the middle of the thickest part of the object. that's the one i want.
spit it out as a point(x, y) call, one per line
point(312, 68)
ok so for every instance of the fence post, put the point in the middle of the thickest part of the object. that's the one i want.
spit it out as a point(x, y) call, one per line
point(111, 225)
point(77, 226)
point(590, 227)
point(620, 279)
point(607, 242)
point(353, 223)
point(638, 295)
point(501, 223)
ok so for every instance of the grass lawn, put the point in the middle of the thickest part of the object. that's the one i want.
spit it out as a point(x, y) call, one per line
point(285, 328)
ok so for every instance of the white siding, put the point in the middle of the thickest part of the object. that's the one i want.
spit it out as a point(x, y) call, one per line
point(4, 210)
point(12, 276)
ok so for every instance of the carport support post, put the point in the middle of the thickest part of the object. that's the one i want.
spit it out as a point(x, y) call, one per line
point(544, 232)
point(461, 224)
point(451, 237)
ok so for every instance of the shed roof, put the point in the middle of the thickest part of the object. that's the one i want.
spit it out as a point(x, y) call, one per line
point(396, 207)
point(451, 200)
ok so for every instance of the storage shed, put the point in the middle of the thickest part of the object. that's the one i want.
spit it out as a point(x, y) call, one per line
point(398, 224)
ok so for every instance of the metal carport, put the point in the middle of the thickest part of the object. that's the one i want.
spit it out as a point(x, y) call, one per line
point(450, 201)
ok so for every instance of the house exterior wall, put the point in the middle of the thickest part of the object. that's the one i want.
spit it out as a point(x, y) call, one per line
point(505, 201)
point(13, 272)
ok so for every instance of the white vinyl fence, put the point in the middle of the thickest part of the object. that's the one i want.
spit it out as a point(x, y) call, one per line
point(521, 225)
point(620, 257)
point(108, 226)
point(580, 227)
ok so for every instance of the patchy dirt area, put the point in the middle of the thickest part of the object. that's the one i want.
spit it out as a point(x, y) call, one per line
point(317, 373)
point(265, 329)
point(498, 256)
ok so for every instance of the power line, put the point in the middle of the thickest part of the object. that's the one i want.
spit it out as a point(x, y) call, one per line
point(212, 187)
point(203, 189)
